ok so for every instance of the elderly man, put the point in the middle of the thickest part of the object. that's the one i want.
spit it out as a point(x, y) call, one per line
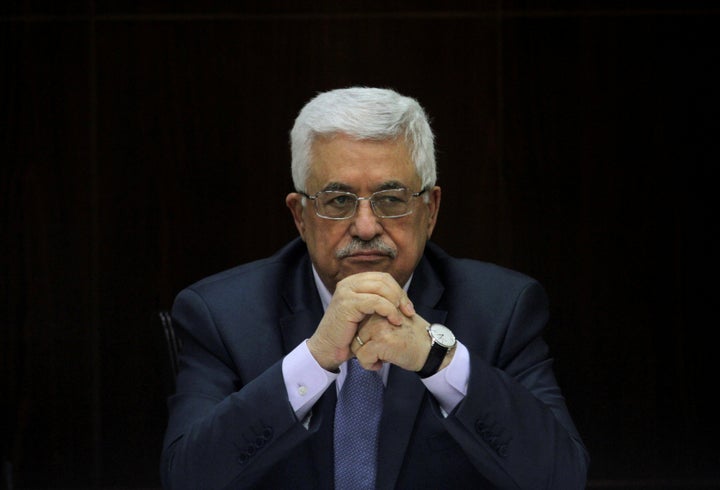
point(361, 355)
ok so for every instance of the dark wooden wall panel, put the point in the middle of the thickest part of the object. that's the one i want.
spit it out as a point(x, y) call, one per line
point(46, 337)
point(601, 115)
point(144, 146)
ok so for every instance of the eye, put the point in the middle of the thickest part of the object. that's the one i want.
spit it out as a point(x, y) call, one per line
point(389, 199)
point(343, 200)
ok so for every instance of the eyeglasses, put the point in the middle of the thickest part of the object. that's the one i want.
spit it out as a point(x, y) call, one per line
point(390, 203)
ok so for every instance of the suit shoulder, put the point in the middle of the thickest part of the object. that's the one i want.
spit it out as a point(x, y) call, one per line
point(457, 270)
point(265, 271)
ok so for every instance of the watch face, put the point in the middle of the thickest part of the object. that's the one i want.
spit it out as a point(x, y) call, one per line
point(442, 335)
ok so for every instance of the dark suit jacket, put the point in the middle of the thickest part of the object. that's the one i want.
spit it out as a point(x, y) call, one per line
point(231, 425)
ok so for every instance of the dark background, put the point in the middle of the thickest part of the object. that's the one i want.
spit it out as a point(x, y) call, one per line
point(143, 145)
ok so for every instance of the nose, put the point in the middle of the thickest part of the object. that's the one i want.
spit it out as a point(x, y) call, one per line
point(365, 225)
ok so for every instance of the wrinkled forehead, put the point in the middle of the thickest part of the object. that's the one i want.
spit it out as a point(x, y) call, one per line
point(344, 163)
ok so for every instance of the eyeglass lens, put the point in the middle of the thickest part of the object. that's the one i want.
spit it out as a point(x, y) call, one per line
point(386, 204)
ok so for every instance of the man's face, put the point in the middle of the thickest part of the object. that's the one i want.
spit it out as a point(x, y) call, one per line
point(392, 245)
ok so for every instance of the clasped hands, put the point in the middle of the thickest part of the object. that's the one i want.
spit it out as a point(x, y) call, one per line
point(374, 308)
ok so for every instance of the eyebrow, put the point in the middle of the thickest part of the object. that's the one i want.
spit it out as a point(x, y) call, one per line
point(391, 184)
point(339, 186)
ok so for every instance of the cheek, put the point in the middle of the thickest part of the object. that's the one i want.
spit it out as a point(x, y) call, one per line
point(323, 237)
point(411, 242)
point(416, 233)
point(409, 239)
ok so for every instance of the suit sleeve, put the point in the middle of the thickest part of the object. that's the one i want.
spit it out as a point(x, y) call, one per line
point(221, 432)
point(514, 424)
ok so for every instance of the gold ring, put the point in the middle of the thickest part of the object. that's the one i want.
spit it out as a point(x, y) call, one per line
point(357, 337)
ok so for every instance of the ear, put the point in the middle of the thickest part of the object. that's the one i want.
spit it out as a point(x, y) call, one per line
point(433, 205)
point(294, 202)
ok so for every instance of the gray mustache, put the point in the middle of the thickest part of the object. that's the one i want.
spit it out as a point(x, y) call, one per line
point(374, 245)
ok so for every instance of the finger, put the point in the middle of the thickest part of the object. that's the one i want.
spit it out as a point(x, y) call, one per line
point(406, 307)
point(381, 284)
point(369, 304)
point(405, 347)
point(355, 346)
point(368, 360)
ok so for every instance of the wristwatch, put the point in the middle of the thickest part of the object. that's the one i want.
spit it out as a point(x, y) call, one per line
point(442, 341)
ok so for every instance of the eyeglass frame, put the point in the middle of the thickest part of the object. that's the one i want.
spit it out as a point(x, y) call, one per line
point(357, 202)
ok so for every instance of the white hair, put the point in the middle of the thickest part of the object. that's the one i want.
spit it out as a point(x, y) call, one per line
point(365, 114)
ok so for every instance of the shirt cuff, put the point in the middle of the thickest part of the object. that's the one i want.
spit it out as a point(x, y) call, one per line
point(449, 385)
point(305, 379)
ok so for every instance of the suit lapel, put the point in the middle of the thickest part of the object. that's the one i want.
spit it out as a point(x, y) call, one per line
point(405, 392)
point(303, 306)
point(304, 311)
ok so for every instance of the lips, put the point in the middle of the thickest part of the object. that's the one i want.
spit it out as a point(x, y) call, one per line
point(368, 254)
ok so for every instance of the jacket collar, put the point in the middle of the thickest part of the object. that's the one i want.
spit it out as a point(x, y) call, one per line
point(303, 309)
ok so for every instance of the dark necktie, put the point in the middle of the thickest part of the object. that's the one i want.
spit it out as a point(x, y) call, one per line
point(357, 419)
